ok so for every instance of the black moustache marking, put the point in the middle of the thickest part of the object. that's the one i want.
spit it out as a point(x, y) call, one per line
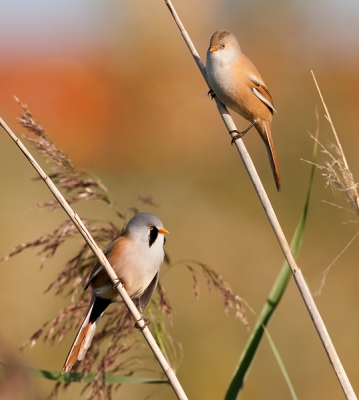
point(153, 235)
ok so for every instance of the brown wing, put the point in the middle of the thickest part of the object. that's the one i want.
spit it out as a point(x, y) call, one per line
point(261, 91)
point(99, 275)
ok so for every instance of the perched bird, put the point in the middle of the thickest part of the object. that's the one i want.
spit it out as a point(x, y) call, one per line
point(236, 82)
point(136, 256)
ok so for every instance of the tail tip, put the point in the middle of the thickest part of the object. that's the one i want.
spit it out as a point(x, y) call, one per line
point(277, 182)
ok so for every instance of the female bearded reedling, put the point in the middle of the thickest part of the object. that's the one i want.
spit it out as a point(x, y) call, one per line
point(238, 85)
point(136, 256)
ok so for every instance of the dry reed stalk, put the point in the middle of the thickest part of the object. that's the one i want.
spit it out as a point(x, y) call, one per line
point(338, 176)
point(263, 197)
point(173, 380)
point(336, 171)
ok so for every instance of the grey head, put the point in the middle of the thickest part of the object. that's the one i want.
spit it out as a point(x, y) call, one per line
point(144, 219)
point(145, 227)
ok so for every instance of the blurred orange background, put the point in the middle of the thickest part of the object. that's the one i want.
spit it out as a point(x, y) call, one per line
point(116, 88)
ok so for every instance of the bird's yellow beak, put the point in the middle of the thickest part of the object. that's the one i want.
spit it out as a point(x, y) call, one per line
point(163, 230)
point(212, 49)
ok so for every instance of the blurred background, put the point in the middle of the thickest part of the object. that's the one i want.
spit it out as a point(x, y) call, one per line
point(115, 86)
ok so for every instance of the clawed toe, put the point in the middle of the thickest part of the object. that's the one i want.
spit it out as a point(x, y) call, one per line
point(241, 134)
point(117, 284)
point(238, 136)
point(145, 320)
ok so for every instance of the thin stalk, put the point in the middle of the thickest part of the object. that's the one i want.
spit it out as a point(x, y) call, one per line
point(284, 245)
point(349, 187)
point(274, 297)
point(103, 260)
point(281, 365)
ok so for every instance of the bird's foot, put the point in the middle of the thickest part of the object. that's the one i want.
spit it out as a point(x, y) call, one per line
point(238, 136)
point(212, 94)
point(241, 134)
point(117, 284)
point(145, 320)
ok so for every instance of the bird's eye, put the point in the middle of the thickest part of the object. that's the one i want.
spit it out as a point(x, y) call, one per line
point(150, 228)
point(223, 46)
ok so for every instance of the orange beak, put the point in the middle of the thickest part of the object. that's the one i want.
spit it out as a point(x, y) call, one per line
point(163, 230)
point(212, 49)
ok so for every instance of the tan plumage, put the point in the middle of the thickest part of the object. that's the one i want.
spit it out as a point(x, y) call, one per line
point(136, 256)
point(238, 85)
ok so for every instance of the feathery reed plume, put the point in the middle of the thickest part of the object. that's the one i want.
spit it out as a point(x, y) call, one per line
point(117, 330)
point(338, 177)
point(336, 169)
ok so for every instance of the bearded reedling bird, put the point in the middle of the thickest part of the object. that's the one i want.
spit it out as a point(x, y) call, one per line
point(238, 85)
point(136, 256)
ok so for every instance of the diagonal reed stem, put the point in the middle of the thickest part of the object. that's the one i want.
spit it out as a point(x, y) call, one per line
point(177, 388)
point(246, 360)
point(268, 209)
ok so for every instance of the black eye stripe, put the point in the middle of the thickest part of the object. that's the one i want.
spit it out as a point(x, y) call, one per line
point(153, 235)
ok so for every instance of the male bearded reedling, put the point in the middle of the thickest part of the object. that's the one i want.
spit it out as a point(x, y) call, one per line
point(136, 256)
point(238, 85)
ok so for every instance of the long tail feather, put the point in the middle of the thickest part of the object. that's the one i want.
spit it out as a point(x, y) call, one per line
point(83, 338)
point(264, 129)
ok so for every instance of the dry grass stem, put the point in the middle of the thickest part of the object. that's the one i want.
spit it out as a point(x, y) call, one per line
point(117, 336)
point(80, 186)
point(263, 197)
point(338, 177)
point(318, 292)
point(336, 174)
point(336, 170)
point(338, 206)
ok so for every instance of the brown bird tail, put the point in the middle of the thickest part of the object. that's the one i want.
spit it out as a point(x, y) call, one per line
point(264, 129)
point(83, 338)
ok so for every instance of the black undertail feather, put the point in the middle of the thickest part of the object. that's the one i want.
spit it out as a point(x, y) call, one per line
point(99, 307)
